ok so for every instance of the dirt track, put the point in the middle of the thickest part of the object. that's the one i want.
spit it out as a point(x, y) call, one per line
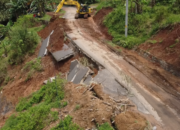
point(148, 90)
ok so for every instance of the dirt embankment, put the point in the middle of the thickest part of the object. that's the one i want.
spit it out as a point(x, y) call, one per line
point(165, 49)
point(98, 19)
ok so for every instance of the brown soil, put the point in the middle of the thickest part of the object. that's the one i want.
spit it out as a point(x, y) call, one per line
point(94, 107)
point(57, 38)
point(98, 19)
point(54, 24)
point(167, 46)
point(130, 121)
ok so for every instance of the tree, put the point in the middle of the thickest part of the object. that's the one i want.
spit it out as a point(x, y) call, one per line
point(153, 3)
point(4, 13)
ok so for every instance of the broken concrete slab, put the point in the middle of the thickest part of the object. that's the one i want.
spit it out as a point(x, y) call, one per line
point(45, 44)
point(72, 72)
point(63, 54)
point(109, 83)
point(88, 80)
point(77, 72)
point(73, 64)
point(80, 75)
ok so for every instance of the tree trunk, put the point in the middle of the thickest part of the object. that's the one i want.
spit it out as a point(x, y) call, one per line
point(138, 6)
point(153, 2)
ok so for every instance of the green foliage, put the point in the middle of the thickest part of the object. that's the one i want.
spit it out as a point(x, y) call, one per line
point(3, 69)
point(77, 107)
point(7, 79)
point(105, 126)
point(67, 124)
point(141, 26)
point(50, 94)
point(4, 12)
point(173, 45)
point(33, 65)
point(27, 21)
point(152, 41)
point(22, 41)
point(45, 18)
point(36, 118)
point(38, 106)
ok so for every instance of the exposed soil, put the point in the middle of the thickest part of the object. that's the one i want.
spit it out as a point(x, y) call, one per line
point(57, 38)
point(130, 121)
point(91, 107)
point(167, 45)
point(99, 18)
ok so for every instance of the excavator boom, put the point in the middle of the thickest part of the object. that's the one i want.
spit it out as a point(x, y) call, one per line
point(60, 6)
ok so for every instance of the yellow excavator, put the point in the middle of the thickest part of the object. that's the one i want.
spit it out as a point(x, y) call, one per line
point(82, 9)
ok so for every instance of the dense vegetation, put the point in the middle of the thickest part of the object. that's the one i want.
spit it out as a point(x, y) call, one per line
point(34, 112)
point(146, 17)
point(19, 39)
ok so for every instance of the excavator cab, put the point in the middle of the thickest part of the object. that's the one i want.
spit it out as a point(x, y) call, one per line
point(83, 11)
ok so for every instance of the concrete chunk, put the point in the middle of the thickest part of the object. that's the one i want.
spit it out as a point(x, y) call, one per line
point(63, 54)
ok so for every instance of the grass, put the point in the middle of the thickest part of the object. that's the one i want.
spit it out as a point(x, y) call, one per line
point(173, 45)
point(47, 94)
point(67, 124)
point(105, 126)
point(34, 112)
point(77, 107)
point(45, 18)
point(31, 67)
point(152, 41)
point(37, 29)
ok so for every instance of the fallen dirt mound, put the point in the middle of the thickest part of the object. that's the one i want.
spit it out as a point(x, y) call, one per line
point(165, 47)
point(86, 109)
point(89, 107)
point(57, 38)
point(130, 121)
point(56, 23)
point(98, 19)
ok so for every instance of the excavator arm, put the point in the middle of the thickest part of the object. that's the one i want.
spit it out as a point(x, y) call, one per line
point(76, 3)
point(59, 6)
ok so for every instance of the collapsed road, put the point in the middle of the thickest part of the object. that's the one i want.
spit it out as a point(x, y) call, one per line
point(134, 82)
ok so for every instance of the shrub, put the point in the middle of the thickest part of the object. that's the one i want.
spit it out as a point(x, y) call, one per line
point(51, 94)
point(36, 118)
point(22, 41)
point(3, 69)
point(27, 21)
point(105, 126)
point(77, 107)
point(33, 65)
point(38, 106)
point(67, 124)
